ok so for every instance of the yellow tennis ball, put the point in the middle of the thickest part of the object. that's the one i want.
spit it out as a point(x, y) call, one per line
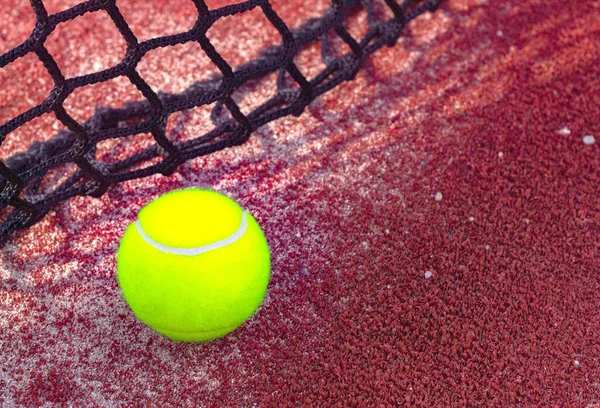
point(194, 266)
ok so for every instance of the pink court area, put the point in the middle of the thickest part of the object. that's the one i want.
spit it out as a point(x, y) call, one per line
point(433, 224)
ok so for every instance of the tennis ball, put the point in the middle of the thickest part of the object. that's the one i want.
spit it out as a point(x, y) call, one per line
point(194, 266)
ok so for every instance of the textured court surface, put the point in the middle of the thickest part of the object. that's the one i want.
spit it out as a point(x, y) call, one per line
point(434, 224)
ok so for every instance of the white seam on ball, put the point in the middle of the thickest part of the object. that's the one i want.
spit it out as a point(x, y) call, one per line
point(197, 250)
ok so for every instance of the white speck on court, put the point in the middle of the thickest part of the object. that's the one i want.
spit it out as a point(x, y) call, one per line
point(589, 140)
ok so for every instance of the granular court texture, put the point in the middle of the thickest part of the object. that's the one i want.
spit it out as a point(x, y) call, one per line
point(433, 224)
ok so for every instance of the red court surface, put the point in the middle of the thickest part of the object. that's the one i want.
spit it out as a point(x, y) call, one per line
point(433, 224)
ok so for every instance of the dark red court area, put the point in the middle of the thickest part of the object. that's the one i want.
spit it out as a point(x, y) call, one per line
point(434, 224)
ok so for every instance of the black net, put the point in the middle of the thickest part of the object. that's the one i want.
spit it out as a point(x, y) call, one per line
point(22, 201)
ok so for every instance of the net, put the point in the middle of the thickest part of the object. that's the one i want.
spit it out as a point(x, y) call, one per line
point(22, 201)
